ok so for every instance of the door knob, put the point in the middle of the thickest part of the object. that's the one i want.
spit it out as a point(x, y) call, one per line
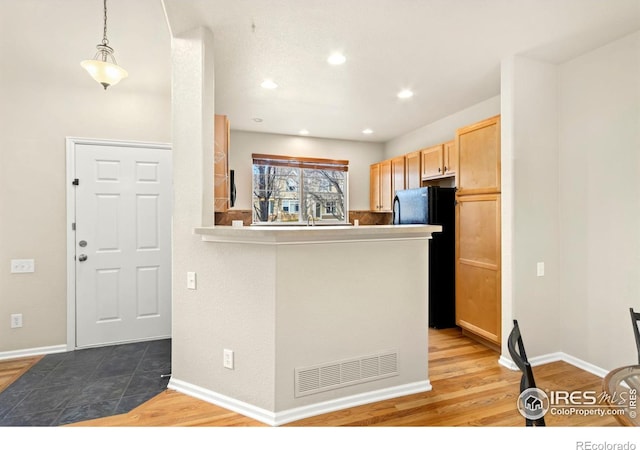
point(82, 258)
point(82, 243)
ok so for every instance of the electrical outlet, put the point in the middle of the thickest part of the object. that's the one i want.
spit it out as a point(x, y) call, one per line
point(191, 280)
point(540, 268)
point(16, 320)
point(23, 266)
point(227, 358)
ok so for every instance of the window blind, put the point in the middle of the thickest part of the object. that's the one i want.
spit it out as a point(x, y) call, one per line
point(302, 162)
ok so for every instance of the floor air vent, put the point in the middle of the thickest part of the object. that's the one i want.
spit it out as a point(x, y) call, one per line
point(334, 375)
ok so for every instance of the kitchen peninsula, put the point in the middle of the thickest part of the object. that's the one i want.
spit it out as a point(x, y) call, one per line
point(326, 317)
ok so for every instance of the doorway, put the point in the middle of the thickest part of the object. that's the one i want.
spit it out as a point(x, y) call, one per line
point(119, 207)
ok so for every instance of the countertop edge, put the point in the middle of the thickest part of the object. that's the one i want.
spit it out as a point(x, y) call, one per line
point(274, 235)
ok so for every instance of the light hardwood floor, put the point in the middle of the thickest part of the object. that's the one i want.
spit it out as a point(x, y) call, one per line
point(470, 388)
point(12, 369)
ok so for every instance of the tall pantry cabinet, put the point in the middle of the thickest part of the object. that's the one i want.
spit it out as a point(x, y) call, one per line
point(478, 260)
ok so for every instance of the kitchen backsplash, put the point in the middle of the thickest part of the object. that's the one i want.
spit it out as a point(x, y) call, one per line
point(363, 217)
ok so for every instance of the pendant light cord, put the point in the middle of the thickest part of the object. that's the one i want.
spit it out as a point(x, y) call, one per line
point(105, 41)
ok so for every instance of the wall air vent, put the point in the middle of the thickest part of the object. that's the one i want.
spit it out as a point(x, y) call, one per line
point(337, 374)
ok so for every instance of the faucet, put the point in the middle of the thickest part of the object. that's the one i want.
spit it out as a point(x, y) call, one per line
point(310, 217)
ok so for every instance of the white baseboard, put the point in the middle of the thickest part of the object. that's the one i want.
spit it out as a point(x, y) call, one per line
point(584, 365)
point(351, 401)
point(507, 362)
point(553, 357)
point(280, 418)
point(221, 400)
point(548, 358)
point(13, 354)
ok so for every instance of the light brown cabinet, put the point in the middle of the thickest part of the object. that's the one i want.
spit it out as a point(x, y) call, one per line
point(478, 274)
point(413, 170)
point(478, 148)
point(374, 187)
point(449, 158)
point(380, 187)
point(478, 233)
point(439, 161)
point(432, 162)
point(397, 176)
point(221, 164)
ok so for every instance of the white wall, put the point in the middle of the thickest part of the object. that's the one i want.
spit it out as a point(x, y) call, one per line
point(599, 202)
point(341, 312)
point(571, 172)
point(207, 320)
point(442, 130)
point(530, 202)
point(359, 154)
point(35, 120)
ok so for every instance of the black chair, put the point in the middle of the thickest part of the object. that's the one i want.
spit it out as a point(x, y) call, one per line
point(635, 321)
point(519, 356)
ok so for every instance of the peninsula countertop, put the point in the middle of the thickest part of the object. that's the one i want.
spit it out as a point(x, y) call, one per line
point(290, 234)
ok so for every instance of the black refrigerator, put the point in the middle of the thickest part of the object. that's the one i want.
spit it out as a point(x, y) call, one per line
point(434, 205)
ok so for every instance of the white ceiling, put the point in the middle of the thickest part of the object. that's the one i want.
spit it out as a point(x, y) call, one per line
point(447, 51)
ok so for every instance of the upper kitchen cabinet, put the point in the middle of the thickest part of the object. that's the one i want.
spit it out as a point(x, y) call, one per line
point(221, 164)
point(432, 162)
point(439, 161)
point(380, 187)
point(450, 158)
point(413, 167)
point(398, 180)
point(478, 147)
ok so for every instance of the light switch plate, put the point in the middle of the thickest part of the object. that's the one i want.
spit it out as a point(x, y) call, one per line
point(16, 320)
point(23, 266)
point(540, 268)
point(227, 358)
point(191, 280)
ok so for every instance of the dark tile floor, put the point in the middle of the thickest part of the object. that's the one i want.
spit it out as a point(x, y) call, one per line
point(70, 387)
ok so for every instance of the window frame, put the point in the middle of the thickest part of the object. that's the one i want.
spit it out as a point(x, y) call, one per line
point(302, 164)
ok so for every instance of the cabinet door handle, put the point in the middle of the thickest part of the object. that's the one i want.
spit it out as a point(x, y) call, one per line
point(445, 168)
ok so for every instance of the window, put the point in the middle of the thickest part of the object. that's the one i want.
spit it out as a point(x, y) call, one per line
point(292, 206)
point(330, 208)
point(295, 190)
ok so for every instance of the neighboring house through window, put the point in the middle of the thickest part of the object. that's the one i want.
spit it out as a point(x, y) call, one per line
point(295, 189)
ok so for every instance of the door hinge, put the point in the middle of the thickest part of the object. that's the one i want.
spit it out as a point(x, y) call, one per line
point(76, 182)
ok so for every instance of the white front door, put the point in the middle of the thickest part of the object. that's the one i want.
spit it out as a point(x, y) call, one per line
point(122, 243)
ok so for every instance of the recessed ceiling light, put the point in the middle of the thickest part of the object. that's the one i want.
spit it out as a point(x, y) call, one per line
point(257, 119)
point(269, 84)
point(405, 93)
point(367, 131)
point(336, 59)
point(304, 132)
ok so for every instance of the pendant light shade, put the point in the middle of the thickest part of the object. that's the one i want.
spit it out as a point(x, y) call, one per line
point(103, 67)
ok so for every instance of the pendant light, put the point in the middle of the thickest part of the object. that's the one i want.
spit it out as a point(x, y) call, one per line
point(103, 67)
